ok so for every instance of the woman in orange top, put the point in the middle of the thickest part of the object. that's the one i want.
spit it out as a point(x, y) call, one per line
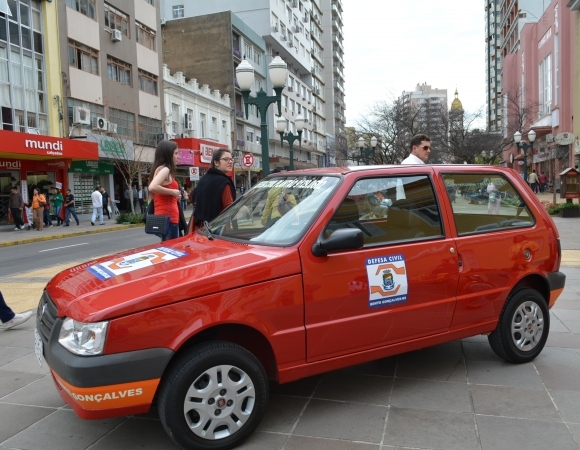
point(164, 187)
point(37, 206)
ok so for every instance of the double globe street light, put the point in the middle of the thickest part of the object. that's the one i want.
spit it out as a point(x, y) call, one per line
point(523, 147)
point(289, 136)
point(277, 70)
point(366, 153)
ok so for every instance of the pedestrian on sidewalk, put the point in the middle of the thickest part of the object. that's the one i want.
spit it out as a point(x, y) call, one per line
point(533, 180)
point(9, 318)
point(46, 219)
point(57, 200)
point(106, 202)
point(135, 198)
point(16, 205)
point(141, 199)
point(97, 199)
point(69, 204)
point(183, 200)
point(543, 182)
point(37, 206)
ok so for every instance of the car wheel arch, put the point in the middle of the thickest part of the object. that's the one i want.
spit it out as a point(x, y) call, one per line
point(533, 281)
point(245, 336)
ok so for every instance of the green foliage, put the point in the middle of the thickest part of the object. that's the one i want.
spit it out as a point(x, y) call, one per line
point(554, 208)
point(129, 217)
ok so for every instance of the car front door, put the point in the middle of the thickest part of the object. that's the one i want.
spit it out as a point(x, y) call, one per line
point(401, 285)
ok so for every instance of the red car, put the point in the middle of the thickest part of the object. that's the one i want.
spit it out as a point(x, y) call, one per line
point(310, 271)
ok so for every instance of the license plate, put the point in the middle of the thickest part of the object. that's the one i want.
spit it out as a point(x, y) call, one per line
point(38, 346)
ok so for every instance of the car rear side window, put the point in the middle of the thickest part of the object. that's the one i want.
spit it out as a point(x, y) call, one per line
point(390, 209)
point(484, 203)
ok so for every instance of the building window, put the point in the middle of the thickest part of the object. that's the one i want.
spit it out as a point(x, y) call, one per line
point(178, 11)
point(151, 2)
point(250, 136)
point(556, 68)
point(125, 122)
point(148, 131)
point(116, 20)
point(119, 71)
point(213, 131)
point(83, 57)
point(545, 85)
point(86, 7)
point(248, 51)
point(147, 82)
point(96, 111)
point(202, 124)
point(145, 36)
point(257, 56)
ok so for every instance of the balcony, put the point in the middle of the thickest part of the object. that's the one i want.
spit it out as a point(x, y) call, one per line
point(338, 86)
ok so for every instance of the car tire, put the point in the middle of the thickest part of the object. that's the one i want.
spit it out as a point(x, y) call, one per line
point(523, 327)
point(213, 397)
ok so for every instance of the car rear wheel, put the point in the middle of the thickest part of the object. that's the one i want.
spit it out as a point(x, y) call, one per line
point(213, 397)
point(523, 327)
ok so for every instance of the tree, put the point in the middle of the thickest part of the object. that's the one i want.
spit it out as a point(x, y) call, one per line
point(129, 159)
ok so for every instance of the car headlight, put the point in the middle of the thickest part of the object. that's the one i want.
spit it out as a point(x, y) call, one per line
point(85, 339)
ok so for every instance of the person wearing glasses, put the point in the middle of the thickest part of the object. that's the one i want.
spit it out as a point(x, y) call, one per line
point(420, 148)
point(164, 187)
point(215, 190)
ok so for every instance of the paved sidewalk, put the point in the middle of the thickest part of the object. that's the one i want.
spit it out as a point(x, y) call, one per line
point(453, 396)
point(9, 237)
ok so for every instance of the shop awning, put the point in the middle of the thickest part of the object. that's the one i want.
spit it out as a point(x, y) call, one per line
point(16, 145)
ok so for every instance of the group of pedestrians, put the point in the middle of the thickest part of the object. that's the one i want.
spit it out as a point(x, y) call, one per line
point(538, 183)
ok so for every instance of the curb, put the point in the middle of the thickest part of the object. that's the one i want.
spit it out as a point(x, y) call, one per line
point(71, 234)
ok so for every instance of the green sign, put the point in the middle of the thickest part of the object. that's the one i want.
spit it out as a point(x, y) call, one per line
point(92, 167)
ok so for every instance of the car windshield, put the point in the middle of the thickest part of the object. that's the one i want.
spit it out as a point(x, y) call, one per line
point(277, 211)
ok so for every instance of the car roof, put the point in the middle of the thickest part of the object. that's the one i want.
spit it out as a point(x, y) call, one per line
point(343, 170)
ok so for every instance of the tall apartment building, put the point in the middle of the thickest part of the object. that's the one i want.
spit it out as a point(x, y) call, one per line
point(334, 77)
point(504, 20)
point(111, 79)
point(289, 29)
point(427, 108)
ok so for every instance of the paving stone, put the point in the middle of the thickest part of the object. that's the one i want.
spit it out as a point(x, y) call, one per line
point(430, 429)
point(560, 377)
point(443, 363)
point(136, 433)
point(502, 373)
point(565, 357)
point(282, 413)
point(62, 430)
point(27, 363)
point(264, 441)
point(568, 403)
point(479, 351)
point(514, 402)
point(431, 395)
point(350, 387)
point(39, 393)
point(24, 340)
point(563, 340)
point(383, 367)
point(9, 354)
point(308, 443)
point(339, 420)
point(301, 388)
point(16, 418)
point(499, 433)
point(11, 381)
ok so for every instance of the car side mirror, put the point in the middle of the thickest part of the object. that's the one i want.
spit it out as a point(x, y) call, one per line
point(341, 239)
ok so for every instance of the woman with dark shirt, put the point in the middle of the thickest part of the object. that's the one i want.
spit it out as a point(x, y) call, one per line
point(164, 187)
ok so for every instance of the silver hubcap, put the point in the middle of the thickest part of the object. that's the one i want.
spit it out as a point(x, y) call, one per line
point(527, 326)
point(219, 402)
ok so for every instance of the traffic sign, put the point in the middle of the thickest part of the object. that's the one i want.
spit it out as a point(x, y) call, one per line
point(248, 160)
point(194, 173)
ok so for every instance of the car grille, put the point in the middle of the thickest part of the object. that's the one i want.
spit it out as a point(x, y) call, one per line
point(46, 316)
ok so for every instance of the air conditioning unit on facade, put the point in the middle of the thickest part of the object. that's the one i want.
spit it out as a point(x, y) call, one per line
point(294, 4)
point(81, 115)
point(275, 28)
point(116, 36)
point(112, 128)
point(290, 88)
point(296, 29)
point(162, 137)
point(283, 37)
point(305, 20)
point(317, 91)
point(100, 124)
point(189, 121)
point(290, 44)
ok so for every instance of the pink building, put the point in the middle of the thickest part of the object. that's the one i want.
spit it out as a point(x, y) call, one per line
point(537, 88)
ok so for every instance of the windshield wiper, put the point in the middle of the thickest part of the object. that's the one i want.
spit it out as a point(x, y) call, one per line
point(209, 235)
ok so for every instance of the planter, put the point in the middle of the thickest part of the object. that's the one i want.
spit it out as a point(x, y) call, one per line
point(570, 212)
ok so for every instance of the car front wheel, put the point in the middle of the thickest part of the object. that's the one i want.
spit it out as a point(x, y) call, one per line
point(523, 327)
point(213, 397)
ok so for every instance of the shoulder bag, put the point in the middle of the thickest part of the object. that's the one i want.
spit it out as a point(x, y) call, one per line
point(155, 224)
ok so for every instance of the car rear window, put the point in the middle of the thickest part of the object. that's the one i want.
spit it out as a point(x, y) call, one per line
point(484, 203)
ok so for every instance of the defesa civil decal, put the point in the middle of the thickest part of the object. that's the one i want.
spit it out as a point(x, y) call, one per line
point(129, 263)
point(387, 276)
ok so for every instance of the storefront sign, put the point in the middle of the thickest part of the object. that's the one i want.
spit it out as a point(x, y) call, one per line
point(194, 173)
point(46, 146)
point(207, 153)
point(185, 157)
point(18, 164)
point(96, 167)
point(113, 148)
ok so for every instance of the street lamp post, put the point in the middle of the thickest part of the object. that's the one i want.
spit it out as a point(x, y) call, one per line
point(366, 153)
point(523, 147)
point(486, 160)
point(289, 136)
point(245, 77)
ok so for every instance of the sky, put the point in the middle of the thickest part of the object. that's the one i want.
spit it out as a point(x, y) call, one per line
point(392, 45)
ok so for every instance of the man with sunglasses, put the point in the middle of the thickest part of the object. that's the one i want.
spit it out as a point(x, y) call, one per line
point(420, 149)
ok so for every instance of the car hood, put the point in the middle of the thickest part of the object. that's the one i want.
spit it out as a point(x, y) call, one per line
point(172, 271)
